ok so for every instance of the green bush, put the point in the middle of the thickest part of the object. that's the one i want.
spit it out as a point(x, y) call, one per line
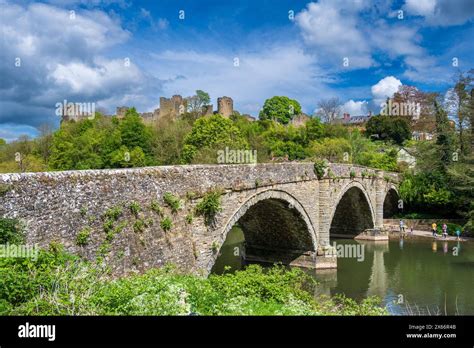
point(209, 205)
point(113, 213)
point(11, 232)
point(166, 224)
point(61, 284)
point(82, 237)
point(139, 225)
point(172, 201)
point(155, 206)
point(319, 167)
point(135, 208)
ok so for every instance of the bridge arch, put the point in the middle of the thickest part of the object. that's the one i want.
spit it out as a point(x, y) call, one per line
point(274, 223)
point(390, 203)
point(353, 211)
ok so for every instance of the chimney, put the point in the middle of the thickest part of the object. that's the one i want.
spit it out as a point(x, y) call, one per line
point(347, 116)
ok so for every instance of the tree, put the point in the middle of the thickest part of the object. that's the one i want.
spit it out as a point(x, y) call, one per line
point(314, 129)
point(281, 109)
point(332, 149)
point(458, 102)
point(210, 134)
point(425, 120)
point(134, 132)
point(444, 137)
point(392, 128)
point(2, 142)
point(329, 109)
point(44, 141)
point(198, 101)
point(286, 141)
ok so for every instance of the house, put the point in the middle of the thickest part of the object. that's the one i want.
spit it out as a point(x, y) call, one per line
point(405, 155)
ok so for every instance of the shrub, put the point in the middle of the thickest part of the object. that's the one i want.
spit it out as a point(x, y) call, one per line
point(82, 237)
point(61, 284)
point(108, 225)
point(155, 206)
point(113, 213)
point(172, 201)
point(189, 218)
point(352, 174)
point(319, 168)
point(139, 225)
point(135, 208)
point(166, 224)
point(11, 232)
point(209, 205)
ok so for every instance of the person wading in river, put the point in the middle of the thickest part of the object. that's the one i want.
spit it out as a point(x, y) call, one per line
point(402, 226)
point(445, 231)
point(433, 229)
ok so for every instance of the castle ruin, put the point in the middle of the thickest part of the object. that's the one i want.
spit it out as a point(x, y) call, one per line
point(225, 106)
point(170, 108)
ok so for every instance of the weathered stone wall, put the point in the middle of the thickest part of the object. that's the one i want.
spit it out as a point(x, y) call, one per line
point(56, 206)
point(225, 106)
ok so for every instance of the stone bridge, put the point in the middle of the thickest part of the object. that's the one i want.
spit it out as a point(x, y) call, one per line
point(286, 212)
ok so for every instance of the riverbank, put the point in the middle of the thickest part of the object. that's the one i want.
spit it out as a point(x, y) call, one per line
point(419, 234)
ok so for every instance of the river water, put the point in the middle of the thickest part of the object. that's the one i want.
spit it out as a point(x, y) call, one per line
point(411, 277)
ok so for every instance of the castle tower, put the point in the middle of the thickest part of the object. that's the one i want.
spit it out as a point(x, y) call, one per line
point(173, 106)
point(121, 111)
point(225, 106)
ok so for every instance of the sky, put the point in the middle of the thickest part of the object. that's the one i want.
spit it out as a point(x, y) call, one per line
point(129, 53)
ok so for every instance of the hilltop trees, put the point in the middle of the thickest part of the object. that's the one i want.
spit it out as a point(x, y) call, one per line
point(197, 101)
point(281, 109)
point(208, 135)
point(392, 128)
point(102, 142)
point(329, 109)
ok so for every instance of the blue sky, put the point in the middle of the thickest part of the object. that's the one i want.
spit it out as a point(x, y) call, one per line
point(283, 47)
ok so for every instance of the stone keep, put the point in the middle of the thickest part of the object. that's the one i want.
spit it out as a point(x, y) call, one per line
point(225, 106)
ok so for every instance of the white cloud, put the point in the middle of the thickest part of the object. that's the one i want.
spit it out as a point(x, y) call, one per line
point(355, 108)
point(88, 79)
point(384, 89)
point(331, 27)
point(420, 7)
point(278, 70)
point(62, 57)
point(441, 12)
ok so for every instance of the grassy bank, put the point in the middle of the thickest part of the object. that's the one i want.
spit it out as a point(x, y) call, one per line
point(58, 283)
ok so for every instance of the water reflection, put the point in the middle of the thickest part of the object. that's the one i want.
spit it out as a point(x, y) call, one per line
point(410, 276)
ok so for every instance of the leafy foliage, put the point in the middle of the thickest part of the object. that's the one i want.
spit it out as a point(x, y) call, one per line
point(392, 128)
point(11, 232)
point(209, 205)
point(211, 134)
point(281, 109)
point(172, 201)
point(61, 284)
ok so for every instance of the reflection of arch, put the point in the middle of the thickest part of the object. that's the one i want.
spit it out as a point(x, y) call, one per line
point(353, 211)
point(274, 220)
point(390, 202)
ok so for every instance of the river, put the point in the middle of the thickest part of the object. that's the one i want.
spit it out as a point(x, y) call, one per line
point(411, 277)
